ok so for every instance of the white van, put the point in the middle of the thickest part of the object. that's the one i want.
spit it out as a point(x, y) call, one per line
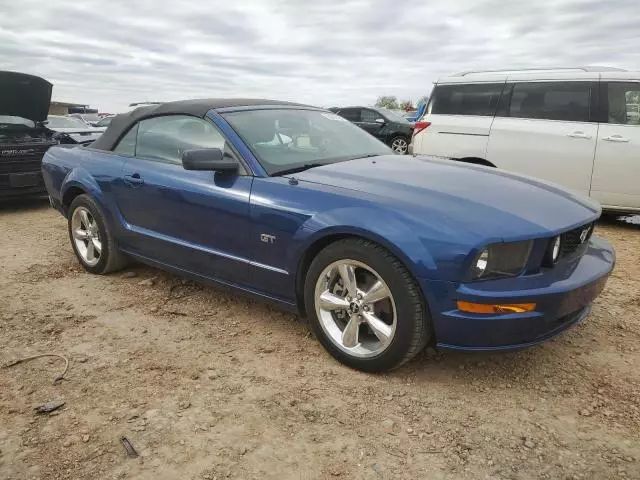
point(578, 127)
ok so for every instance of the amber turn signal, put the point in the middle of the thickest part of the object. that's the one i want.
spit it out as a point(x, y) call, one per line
point(485, 308)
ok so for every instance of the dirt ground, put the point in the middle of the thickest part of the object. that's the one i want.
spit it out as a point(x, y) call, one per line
point(208, 385)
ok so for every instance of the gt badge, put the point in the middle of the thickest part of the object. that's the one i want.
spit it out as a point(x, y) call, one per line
point(266, 238)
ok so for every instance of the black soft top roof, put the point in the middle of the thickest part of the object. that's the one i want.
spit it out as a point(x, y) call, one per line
point(197, 108)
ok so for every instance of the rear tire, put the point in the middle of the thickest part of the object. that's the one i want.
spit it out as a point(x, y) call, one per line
point(388, 329)
point(91, 239)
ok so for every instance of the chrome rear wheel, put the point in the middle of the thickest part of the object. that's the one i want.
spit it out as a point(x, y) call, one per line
point(86, 236)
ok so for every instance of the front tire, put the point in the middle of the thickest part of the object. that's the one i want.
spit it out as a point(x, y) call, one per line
point(364, 306)
point(399, 145)
point(92, 242)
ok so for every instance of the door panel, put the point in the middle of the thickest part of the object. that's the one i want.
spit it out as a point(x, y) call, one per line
point(560, 152)
point(547, 130)
point(193, 220)
point(461, 117)
point(454, 136)
point(616, 173)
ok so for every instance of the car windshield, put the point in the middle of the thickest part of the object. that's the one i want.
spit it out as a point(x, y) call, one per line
point(391, 115)
point(289, 139)
point(104, 122)
point(11, 120)
point(64, 122)
point(87, 117)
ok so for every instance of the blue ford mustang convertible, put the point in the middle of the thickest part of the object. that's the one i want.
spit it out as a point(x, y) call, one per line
point(383, 254)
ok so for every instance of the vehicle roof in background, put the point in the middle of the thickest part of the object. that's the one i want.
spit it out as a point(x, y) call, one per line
point(23, 95)
point(542, 74)
point(197, 108)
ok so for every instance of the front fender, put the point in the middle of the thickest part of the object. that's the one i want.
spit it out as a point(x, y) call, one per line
point(386, 228)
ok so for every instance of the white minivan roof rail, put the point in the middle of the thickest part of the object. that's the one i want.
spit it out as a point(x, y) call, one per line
point(543, 69)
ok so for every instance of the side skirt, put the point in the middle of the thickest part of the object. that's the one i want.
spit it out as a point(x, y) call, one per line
point(227, 286)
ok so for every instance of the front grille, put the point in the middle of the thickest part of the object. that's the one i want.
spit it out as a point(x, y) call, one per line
point(17, 158)
point(571, 240)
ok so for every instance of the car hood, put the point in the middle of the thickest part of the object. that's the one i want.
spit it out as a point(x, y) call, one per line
point(25, 96)
point(488, 201)
point(75, 129)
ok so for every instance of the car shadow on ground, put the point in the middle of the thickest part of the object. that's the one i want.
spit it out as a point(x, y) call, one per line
point(23, 204)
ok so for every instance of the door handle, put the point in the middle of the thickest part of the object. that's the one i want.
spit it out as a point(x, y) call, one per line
point(615, 138)
point(578, 135)
point(133, 180)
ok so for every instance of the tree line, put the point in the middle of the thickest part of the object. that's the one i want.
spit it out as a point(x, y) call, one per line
point(391, 102)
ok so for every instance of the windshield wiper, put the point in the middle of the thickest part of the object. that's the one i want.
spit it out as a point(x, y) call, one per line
point(299, 168)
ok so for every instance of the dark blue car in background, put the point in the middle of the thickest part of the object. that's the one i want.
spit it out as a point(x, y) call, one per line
point(383, 253)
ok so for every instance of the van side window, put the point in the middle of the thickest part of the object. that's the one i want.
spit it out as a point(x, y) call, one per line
point(473, 99)
point(568, 101)
point(624, 103)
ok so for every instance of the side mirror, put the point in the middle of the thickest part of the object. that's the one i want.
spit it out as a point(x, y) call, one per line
point(211, 159)
point(379, 120)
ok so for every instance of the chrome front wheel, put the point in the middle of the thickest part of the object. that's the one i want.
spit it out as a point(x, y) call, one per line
point(86, 236)
point(355, 308)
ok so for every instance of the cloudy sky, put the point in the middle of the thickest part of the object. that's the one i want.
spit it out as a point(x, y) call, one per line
point(324, 52)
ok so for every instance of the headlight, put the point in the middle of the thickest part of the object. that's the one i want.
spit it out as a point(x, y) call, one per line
point(482, 262)
point(501, 260)
point(553, 251)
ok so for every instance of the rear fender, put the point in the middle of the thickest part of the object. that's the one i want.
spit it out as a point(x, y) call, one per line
point(82, 179)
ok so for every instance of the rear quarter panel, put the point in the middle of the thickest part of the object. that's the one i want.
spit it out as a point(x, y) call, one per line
point(91, 171)
point(454, 136)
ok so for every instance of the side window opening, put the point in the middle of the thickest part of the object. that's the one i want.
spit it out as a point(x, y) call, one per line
point(465, 99)
point(165, 139)
point(566, 101)
point(624, 103)
point(368, 116)
point(127, 144)
point(351, 114)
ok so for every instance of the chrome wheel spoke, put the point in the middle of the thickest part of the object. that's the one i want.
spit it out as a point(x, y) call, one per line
point(84, 219)
point(377, 292)
point(348, 276)
point(80, 234)
point(329, 301)
point(97, 245)
point(379, 328)
point(350, 332)
point(91, 253)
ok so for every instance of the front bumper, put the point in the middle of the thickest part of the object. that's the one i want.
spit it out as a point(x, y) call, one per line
point(34, 186)
point(563, 296)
